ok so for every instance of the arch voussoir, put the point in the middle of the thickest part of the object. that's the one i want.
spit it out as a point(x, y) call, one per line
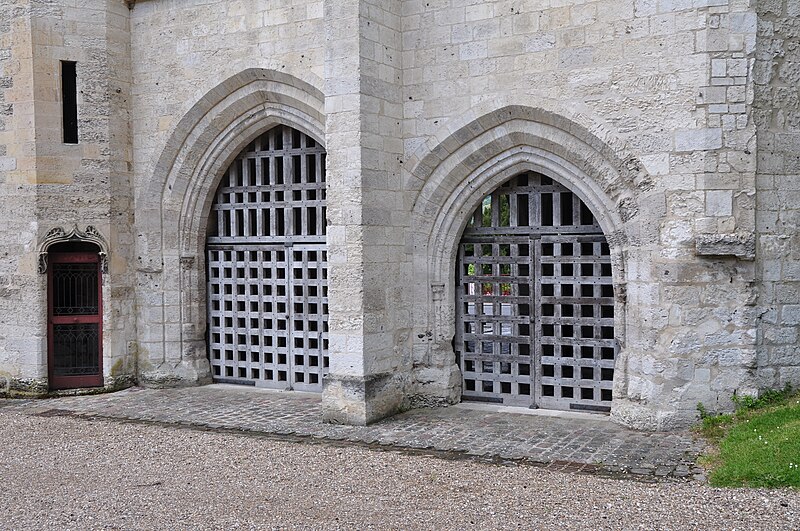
point(473, 158)
point(177, 199)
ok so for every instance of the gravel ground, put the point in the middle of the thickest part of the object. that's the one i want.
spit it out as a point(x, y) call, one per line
point(70, 473)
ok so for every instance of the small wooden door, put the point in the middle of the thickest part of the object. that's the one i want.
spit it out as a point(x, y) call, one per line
point(75, 321)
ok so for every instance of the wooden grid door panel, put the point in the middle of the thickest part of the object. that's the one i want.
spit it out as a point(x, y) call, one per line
point(574, 323)
point(309, 317)
point(493, 341)
point(249, 317)
point(529, 205)
point(535, 300)
point(267, 266)
point(273, 192)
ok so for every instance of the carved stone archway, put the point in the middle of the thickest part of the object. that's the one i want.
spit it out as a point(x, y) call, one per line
point(58, 235)
point(173, 209)
point(475, 156)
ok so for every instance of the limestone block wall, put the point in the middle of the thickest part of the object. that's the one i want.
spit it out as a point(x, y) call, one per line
point(642, 107)
point(649, 101)
point(370, 269)
point(207, 78)
point(20, 351)
point(777, 117)
point(48, 184)
point(675, 121)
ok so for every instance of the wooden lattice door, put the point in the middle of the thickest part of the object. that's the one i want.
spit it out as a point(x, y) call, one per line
point(267, 266)
point(75, 320)
point(535, 300)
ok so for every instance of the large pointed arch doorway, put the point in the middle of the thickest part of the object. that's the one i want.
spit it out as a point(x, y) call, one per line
point(535, 300)
point(267, 265)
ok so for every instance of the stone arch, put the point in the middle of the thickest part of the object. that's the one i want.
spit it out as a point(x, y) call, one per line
point(475, 156)
point(59, 235)
point(210, 135)
point(173, 207)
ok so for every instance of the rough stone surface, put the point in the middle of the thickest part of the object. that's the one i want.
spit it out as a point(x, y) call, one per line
point(50, 184)
point(776, 112)
point(740, 245)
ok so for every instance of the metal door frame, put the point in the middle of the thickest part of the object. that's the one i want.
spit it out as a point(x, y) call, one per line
point(71, 382)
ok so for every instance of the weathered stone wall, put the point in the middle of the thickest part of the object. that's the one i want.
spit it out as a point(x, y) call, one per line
point(48, 184)
point(662, 88)
point(777, 117)
point(647, 109)
point(655, 89)
point(182, 49)
point(20, 350)
point(208, 77)
point(656, 92)
point(369, 268)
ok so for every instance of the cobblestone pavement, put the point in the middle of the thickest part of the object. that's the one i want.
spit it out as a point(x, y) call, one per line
point(571, 442)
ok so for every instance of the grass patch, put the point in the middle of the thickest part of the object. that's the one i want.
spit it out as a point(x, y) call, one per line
point(758, 445)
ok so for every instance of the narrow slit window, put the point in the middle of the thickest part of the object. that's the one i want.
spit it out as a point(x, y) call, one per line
point(69, 95)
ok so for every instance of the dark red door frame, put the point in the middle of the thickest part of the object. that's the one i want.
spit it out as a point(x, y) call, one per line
point(83, 380)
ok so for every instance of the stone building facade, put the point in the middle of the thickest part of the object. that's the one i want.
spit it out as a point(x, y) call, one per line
point(674, 123)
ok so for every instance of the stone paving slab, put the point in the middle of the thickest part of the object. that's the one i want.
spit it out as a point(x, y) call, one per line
point(565, 441)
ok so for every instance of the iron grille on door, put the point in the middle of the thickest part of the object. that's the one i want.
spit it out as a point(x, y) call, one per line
point(75, 320)
point(535, 300)
point(267, 266)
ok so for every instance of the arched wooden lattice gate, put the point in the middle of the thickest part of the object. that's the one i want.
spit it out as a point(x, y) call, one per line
point(267, 266)
point(535, 300)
